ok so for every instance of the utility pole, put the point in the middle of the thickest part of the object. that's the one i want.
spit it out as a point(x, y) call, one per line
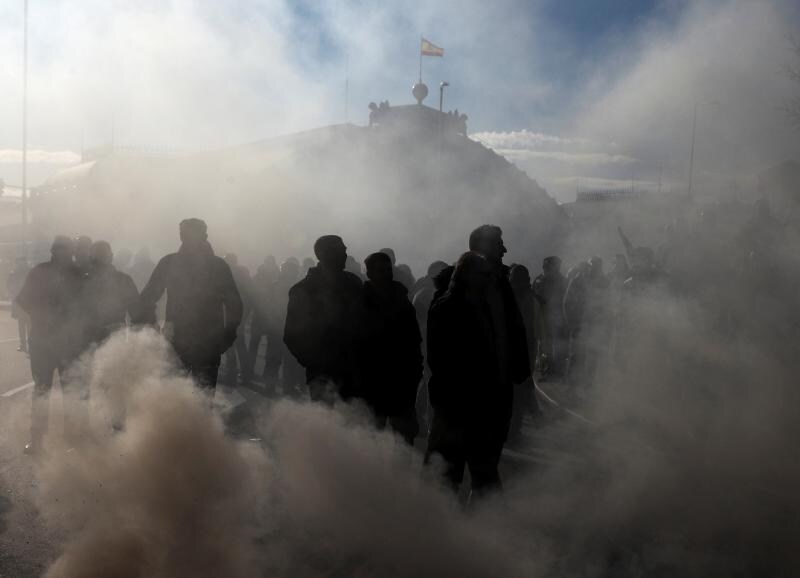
point(25, 132)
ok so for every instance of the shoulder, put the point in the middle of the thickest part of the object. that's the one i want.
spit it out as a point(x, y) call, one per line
point(166, 260)
point(352, 279)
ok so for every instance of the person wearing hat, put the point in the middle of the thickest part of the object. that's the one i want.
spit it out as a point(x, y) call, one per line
point(204, 308)
point(50, 297)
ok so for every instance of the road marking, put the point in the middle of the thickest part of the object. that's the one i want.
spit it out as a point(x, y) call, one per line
point(18, 389)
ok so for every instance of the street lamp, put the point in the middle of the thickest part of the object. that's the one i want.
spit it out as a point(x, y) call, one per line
point(441, 94)
point(694, 129)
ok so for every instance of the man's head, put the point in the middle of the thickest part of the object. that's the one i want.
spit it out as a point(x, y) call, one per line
point(379, 268)
point(331, 252)
point(551, 265)
point(62, 249)
point(596, 266)
point(488, 241)
point(101, 254)
point(435, 268)
point(519, 276)
point(193, 232)
point(390, 253)
point(290, 269)
point(83, 248)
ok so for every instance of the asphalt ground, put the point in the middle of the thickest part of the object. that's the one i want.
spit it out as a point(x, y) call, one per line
point(28, 545)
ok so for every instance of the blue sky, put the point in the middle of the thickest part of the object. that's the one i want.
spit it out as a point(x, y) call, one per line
point(566, 89)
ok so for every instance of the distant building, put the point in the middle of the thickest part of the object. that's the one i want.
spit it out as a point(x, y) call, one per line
point(412, 179)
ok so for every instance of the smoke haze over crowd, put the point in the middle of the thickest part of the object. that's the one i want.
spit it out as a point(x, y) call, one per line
point(678, 460)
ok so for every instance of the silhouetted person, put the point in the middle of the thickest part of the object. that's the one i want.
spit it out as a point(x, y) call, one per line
point(110, 296)
point(292, 375)
point(587, 308)
point(422, 297)
point(261, 326)
point(142, 267)
point(51, 298)
point(388, 350)
point(308, 264)
point(320, 319)
point(237, 359)
point(402, 273)
point(549, 289)
point(424, 291)
point(352, 266)
point(14, 283)
point(204, 308)
point(477, 352)
point(83, 253)
point(524, 395)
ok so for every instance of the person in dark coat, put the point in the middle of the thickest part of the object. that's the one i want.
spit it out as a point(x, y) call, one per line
point(51, 299)
point(261, 327)
point(402, 273)
point(549, 289)
point(477, 352)
point(422, 297)
point(320, 320)
point(292, 375)
point(388, 350)
point(14, 283)
point(587, 309)
point(110, 295)
point(237, 359)
point(524, 395)
point(204, 308)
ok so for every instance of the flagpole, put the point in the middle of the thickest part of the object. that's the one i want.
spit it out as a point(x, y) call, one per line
point(420, 57)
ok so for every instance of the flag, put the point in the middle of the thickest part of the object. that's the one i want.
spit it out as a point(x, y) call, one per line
point(430, 49)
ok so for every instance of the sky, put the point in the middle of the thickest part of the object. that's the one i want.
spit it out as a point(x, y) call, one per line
point(577, 93)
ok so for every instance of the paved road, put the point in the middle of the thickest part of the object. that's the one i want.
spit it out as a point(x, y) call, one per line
point(27, 545)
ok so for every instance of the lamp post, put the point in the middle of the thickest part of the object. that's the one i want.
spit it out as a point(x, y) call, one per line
point(25, 132)
point(694, 131)
point(441, 94)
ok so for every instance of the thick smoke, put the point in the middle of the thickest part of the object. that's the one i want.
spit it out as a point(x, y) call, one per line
point(171, 496)
point(685, 466)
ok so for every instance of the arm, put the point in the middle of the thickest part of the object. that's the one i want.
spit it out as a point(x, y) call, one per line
point(130, 296)
point(232, 301)
point(152, 292)
point(30, 295)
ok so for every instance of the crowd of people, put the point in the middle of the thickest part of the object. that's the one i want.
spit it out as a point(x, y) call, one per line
point(450, 356)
